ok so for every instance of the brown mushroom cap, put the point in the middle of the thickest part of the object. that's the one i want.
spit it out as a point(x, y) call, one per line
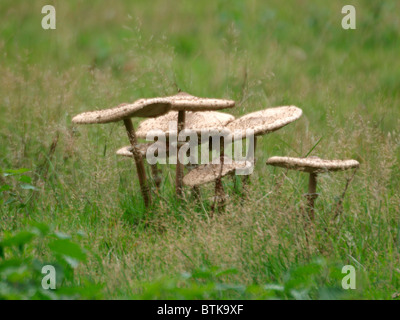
point(186, 102)
point(266, 121)
point(312, 164)
point(206, 120)
point(141, 108)
point(210, 172)
point(142, 148)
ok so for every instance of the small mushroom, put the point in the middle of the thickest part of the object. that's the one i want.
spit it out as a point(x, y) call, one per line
point(313, 166)
point(183, 102)
point(264, 122)
point(141, 108)
point(213, 172)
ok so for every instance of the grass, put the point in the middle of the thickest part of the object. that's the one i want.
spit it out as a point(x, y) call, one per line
point(261, 55)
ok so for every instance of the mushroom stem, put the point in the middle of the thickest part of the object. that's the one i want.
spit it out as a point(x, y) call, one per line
point(219, 196)
point(312, 183)
point(312, 194)
point(196, 193)
point(246, 179)
point(139, 162)
point(156, 172)
point(179, 166)
point(219, 188)
point(235, 184)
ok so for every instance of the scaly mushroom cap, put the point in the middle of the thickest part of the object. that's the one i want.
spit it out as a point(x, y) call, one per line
point(210, 172)
point(312, 164)
point(186, 102)
point(142, 148)
point(206, 120)
point(146, 108)
point(266, 121)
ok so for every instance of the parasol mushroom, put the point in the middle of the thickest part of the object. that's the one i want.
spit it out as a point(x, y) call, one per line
point(213, 172)
point(263, 122)
point(313, 166)
point(195, 121)
point(183, 102)
point(141, 108)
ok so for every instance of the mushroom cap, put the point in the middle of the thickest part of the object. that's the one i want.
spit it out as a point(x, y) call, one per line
point(206, 120)
point(140, 108)
point(266, 121)
point(186, 102)
point(142, 148)
point(312, 164)
point(210, 172)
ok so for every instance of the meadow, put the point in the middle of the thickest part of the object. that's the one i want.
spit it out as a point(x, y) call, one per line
point(260, 54)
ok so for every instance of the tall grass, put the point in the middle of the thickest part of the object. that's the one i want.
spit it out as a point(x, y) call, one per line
point(260, 54)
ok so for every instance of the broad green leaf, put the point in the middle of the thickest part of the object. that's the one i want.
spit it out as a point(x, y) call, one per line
point(13, 172)
point(67, 248)
point(27, 186)
point(17, 274)
point(39, 228)
point(73, 263)
point(61, 235)
point(5, 187)
point(18, 240)
point(300, 294)
point(25, 179)
point(275, 287)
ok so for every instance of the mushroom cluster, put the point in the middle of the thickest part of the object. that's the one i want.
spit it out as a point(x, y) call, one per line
point(200, 115)
point(179, 104)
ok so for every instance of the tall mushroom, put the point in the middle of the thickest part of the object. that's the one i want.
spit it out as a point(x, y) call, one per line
point(183, 102)
point(313, 166)
point(195, 121)
point(207, 173)
point(264, 122)
point(141, 108)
